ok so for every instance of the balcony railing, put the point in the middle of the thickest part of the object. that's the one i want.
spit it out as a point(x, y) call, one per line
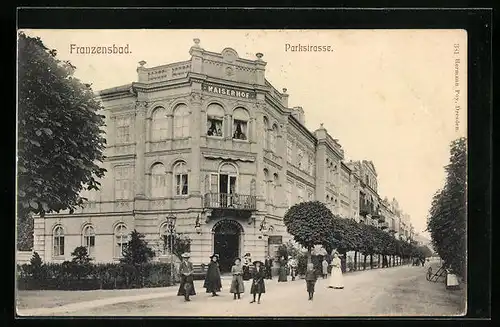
point(230, 201)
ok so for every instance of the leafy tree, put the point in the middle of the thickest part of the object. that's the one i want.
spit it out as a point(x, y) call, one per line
point(136, 252)
point(181, 244)
point(25, 229)
point(310, 223)
point(447, 219)
point(81, 256)
point(36, 261)
point(60, 140)
point(36, 267)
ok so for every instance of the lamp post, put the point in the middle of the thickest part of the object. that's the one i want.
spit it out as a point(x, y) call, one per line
point(171, 231)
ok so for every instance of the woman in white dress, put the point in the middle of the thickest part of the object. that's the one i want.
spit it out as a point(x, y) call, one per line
point(336, 279)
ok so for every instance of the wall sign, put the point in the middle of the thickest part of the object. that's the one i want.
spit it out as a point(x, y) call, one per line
point(230, 91)
point(278, 239)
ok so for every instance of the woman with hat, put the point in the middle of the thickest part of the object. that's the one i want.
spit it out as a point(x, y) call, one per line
point(237, 286)
point(336, 279)
point(258, 286)
point(212, 279)
point(186, 270)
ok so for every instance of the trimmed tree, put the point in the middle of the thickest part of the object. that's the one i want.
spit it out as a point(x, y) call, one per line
point(136, 251)
point(310, 224)
point(60, 140)
point(181, 244)
point(447, 219)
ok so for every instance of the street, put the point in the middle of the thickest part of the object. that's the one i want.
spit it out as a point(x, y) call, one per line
point(397, 291)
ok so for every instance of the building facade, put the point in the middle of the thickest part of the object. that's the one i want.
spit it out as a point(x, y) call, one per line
point(212, 143)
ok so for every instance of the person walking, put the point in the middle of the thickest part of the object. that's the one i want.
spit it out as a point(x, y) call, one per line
point(282, 277)
point(186, 270)
point(310, 278)
point(268, 264)
point(258, 286)
point(336, 278)
point(324, 266)
point(293, 268)
point(212, 282)
point(237, 286)
point(246, 266)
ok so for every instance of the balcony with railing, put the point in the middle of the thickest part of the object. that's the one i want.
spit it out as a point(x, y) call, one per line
point(364, 208)
point(230, 201)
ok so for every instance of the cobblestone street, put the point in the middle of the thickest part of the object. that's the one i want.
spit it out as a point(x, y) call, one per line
point(381, 292)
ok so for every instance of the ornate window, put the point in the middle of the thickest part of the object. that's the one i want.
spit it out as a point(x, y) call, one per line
point(121, 239)
point(158, 181)
point(215, 120)
point(181, 178)
point(122, 182)
point(266, 185)
point(289, 187)
point(122, 130)
point(266, 133)
point(300, 158)
point(89, 239)
point(289, 151)
point(181, 121)
point(300, 193)
point(58, 241)
point(240, 124)
point(273, 136)
point(275, 188)
point(159, 125)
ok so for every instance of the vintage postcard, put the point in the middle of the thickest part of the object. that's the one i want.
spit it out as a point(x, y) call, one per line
point(241, 173)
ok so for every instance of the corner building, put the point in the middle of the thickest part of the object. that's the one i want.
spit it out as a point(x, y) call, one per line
point(213, 143)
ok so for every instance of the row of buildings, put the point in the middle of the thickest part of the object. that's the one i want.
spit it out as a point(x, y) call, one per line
point(209, 148)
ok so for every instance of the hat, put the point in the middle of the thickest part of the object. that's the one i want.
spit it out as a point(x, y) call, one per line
point(237, 259)
point(185, 255)
point(257, 261)
point(214, 255)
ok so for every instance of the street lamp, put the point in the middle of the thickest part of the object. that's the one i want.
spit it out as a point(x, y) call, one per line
point(197, 225)
point(171, 231)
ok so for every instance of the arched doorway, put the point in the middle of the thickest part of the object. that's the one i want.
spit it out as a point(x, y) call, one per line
point(227, 237)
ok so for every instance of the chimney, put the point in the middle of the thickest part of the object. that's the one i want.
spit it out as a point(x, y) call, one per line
point(298, 113)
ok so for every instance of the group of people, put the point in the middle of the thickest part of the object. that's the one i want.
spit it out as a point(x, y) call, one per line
point(261, 271)
point(213, 283)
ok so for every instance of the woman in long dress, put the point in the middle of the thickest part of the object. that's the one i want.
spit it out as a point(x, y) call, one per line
point(212, 280)
point(186, 270)
point(282, 276)
point(336, 278)
point(237, 286)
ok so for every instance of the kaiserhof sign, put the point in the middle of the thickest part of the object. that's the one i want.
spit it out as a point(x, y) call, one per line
point(230, 91)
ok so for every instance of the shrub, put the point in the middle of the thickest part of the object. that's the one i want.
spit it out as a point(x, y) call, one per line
point(69, 276)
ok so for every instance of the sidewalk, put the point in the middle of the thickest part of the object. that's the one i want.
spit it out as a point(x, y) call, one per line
point(70, 301)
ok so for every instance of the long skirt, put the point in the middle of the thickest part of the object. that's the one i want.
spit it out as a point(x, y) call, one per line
point(282, 274)
point(212, 284)
point(186, 285)
point(237, 286)
point(336, 279)
point(258, 288)
point(310, 285)
point(246, 273)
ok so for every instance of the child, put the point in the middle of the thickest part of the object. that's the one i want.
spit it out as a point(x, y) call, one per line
point(237, 286)
point(310, 279)
point(258, 286)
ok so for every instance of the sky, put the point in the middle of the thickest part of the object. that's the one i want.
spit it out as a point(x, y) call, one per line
point(387, 95)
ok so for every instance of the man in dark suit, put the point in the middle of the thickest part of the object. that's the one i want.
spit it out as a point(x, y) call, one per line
point(268, 263)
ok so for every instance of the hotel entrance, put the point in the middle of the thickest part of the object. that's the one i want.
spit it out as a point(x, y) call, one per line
point(227, 238)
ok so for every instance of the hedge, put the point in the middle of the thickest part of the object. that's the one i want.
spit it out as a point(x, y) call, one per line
point(73, 276)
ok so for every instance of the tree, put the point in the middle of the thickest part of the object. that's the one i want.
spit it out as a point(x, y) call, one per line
point(136, 251)
point(310, 223)
point(60, 140)
point(181, 244)
point(81, 256)
point(25, 229)
point(447, 216)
